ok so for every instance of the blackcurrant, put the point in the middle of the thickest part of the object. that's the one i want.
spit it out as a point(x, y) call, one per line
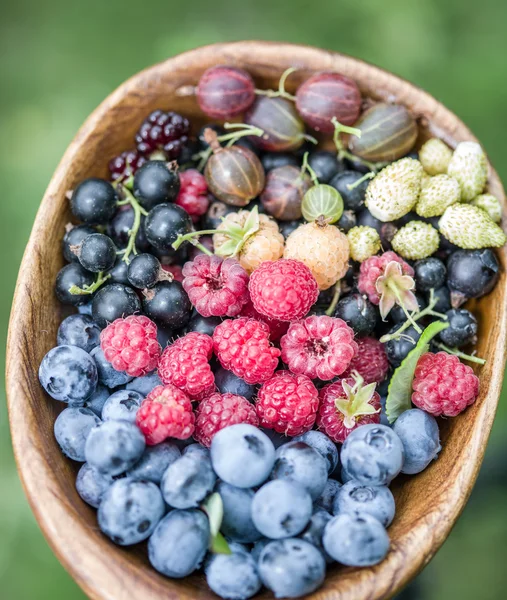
point(155, 183)
point(118, 272)
point(430, 273)
point(273, 160)
point(144, 271)
point(218, 129)
point(386, 231)
point(74, 235)
point(217, 209)
point(114, 301)
point(443, 299)
point(94, 201)
point(202, 324)
point(97, 252)
point(462, 328)
point(164, 223)
point(70, 275)
point(347, 221)
point(397, 314)
point(358, 312)
point(398, 349)
point(228, 383)
point(353, 197)
point(247, 143)
point(325, 164)
point(120, 225)
point(471, 274)
point(287, 227)
point(168, 304)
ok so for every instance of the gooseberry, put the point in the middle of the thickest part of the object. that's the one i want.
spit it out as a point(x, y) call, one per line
point(224, 92)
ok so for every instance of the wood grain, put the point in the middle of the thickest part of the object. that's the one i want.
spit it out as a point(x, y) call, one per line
point(427, 505)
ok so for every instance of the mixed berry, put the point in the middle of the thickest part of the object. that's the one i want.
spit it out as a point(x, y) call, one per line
point(267, 330)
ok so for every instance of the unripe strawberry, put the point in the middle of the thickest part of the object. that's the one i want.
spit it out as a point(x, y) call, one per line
point(395, 190)
point(469, 166)
point(470, 227)
point(490, 204)
point(416, 240)
point(440, 192)
point(435, 156)
point(363, 242)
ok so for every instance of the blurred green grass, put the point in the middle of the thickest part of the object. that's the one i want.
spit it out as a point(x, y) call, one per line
point(59, 59)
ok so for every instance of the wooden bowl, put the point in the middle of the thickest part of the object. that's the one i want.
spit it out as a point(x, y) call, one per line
point(427, 504)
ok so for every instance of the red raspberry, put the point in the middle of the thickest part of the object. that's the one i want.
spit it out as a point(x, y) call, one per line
point(318, 346)
point(443, 385)
point(370, 361)
point(219, 411)
point(125, 164)
point(216, 287)
point(185, 364)
point(287, 403)
point(373, 268)
point(165, 412)
point(276, 328)
point(131, 345)
point(193, 194)
point(176, 270)
point(242, 346)
point(283, 289)
point(345, 405)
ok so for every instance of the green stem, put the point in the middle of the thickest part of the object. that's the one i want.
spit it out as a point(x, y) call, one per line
point(280, 93)
point(188, 237)
point(90, 289)
point(459, 354)
point(230, 138)
point(306, 167)
point(342, 152)
point(138, 211)
point(407, 314)
point(201, 247)
point(334, 301)
point(351, 186)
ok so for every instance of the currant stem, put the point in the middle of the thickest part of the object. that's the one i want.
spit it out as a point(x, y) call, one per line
point(334, 301)
point(306, 167)
point(188, 237)
point(352, 186)
point(401, 304)
point(138, 211)
point(90, 289)
point(201, 247)
point(280, 93)
point(459, 354)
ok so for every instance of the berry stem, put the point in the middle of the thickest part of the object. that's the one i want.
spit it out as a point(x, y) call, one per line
point(342, 152)
point(280, 93)
point(334, 301)
point(369, 175)
point(90, 289)
point(459, 354)
point(306, 167)
point(188, 237)
point(138, 211)
point(410, 319)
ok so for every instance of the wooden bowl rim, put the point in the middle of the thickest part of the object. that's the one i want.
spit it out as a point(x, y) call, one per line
point(102, 581)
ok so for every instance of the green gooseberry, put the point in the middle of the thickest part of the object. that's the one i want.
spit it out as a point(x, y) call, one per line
point(322, 201)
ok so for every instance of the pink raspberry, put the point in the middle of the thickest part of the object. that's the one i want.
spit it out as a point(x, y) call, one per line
point(443, 385)
point(221, 410)
point(242, 346)
point(193, 194)
point(283, 289)
point(176, 271)
point(373, 268)
point(185, 364)
point(319, 347)
point(165, 412)
point(276, 328)
point(370, 361)
point(345, 405)
point(131, 345)
point(216, 287)
point(287, 403)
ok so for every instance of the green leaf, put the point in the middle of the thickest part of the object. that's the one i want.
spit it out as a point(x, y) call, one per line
point(214, 508)
point(400, 389)
point(228, 248)
point(219, 545)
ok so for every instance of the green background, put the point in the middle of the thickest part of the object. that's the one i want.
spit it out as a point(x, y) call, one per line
point(59, 59)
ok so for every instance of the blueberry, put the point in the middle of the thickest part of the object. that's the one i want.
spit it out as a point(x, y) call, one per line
point(163, 225)
point(122, 406)
point(118, 229)
point(167, 303)
point(217, 209)
point(114, 301)
point(462, 328)
point(154, 462)
point(72, 427)
point(202, 451)
point(383, 415)
point(155, 183)
point(165, 336)
point(97, 400)
point(238, 445)
point(94, 201)
point(97, 253)
point(356, 540)
point(397, 314)
point(92, 485)
point(418, 432)
point(315, 530)
point(118, 272)
point(273, 160)
point(430, 273)
point(372, 454)
point(74, 235)
point(471, 274)
point(130, 510)
point(144, 271)
point(287, 227)
point(108, 375)
point(237, 524)
point(326, 499)
point(187, 481)
point(228, 383)
point(353, 199)
point(291, 568)
point(443, 299)
point(113, 447)
point(68, 374)
point(69, 276)
point(233, 575)
point(85, 309)
point(398, 349)
point(300, 463)
point(358, 312)
point(79, 330)
point(281, 509)
point(144, 385)
point(258, 547)
point(324, 446)
point(179, 543)
point(202, 324)
point(375, 500)
point(325, 164)
point(347, 221)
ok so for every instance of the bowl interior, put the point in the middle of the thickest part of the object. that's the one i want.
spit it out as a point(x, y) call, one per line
point(427, 505)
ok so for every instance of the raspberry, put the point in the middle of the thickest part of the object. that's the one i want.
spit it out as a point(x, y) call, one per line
point(242, 346)
point(276, 328)
point(219, 411)
point(125, 164)
point(193, 194)
point(165, 412)
point(166, 131)
point(176, 270)
point(287, 403)
point(345, 405)
point(131, 345)
point(216, 287)
point(185, 364)
point(373, 268)
point(370, 361)
point(318, 346)
point(443, 385)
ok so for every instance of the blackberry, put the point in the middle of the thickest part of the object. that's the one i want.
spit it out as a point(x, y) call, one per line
point(347, 221)
point(202, 324)
point(353, 199)
point(119, 272)
point(325, 164)
point(97, 253)
point(273, 160)
point(164, 223)
point(358, 312)
point(398, 349)
point(155, 183)
point(144, 271)
point(287, 227)
point(430, 273)
point(70, 275)
point(94, 201)
point(120, 225)
point(471, 274)
point(112, 302)
point(74, 235)
point(462, 328)
point(125, 164)
point(167, 303)
point(166, 131)
point(217, 209)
